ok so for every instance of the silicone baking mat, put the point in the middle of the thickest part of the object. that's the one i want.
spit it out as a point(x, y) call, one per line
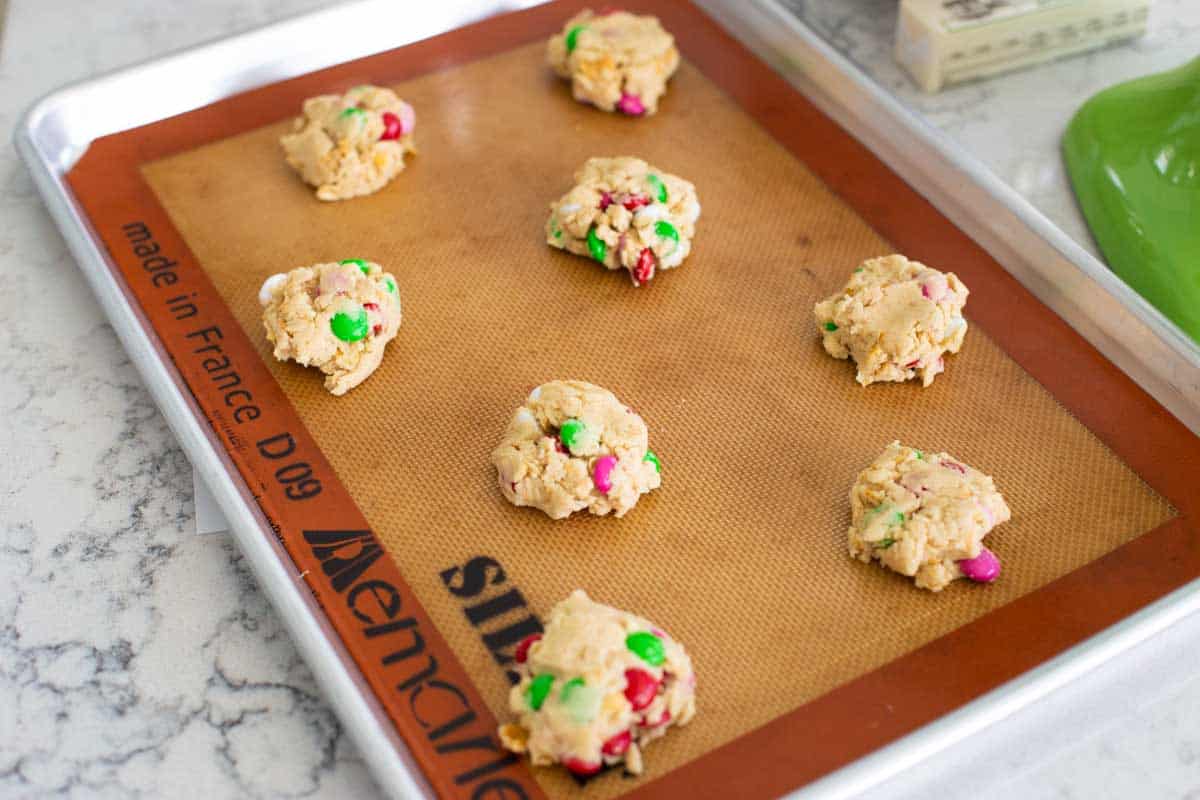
point(386, 498)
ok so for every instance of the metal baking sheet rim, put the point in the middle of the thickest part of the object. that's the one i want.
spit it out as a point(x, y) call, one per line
point(56, 130)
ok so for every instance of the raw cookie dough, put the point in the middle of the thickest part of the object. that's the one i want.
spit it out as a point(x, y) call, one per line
point(616, 61)
point(337, 317)
point(573, 446)
point(352, 144)
point(627, 215)
point(895, 318)
point(925, 515)
point(597, 688)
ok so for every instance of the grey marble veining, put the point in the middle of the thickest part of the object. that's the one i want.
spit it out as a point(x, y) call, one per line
point(138, 660)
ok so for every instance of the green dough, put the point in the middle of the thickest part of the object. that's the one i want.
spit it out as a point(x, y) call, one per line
point(1133, 154)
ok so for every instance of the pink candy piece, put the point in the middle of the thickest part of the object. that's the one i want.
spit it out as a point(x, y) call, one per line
point(934, 287)
point(602, 472)
point(644, 269)
point(408, 118)
point(605, 200)
point(954, 465)
point(631, 104)
point(915, 482)
point(336, 281)
point(983, 568)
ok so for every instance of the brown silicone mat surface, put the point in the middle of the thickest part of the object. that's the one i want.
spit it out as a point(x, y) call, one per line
point(741, 554)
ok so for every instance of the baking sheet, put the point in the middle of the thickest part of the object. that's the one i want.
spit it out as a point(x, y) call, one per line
point(1068, 627)
point(743, 551)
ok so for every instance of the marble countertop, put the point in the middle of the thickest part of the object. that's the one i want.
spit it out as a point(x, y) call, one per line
point(1013, 123)
point(139, 660)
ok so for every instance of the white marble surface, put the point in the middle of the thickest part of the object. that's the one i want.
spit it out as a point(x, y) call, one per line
point(136, 659)
point(1014, 122)
point(139, 660)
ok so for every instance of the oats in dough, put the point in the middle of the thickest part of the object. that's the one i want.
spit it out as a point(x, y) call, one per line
point(573, 446)
point(337, 317)
point(925, 515)
point(896, 318)
point(352, 144)
point(615, 61)
point(596, 688)
point(627, 215)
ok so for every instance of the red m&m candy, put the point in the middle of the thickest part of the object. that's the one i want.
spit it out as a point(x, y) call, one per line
point(618, 744)
point(393, 128)
point(640, 688)
point(581, 767)
point(522, 652)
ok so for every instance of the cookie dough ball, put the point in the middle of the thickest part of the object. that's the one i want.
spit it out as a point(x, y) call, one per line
point(626, 214)
point(351, 144)
point(335, 317)
point(616, 61)
point(573, 446)
point(896, 318)
point(597, 688)
point(925, 515)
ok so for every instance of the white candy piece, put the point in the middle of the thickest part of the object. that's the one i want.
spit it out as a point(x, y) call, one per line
point(269, 286)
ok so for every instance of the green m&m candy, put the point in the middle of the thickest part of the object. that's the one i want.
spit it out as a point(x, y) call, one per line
point(831, 326)
point(350, 327)
point(358, 262)
point(596, 246)
point(647, 647)
point(351, 112)
point(653, 459)
point(570, 432)
point(573, 37)
point(391, 285)
point(660, 188)
point(582, 701)
point(666, 230)
point(538, 689)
